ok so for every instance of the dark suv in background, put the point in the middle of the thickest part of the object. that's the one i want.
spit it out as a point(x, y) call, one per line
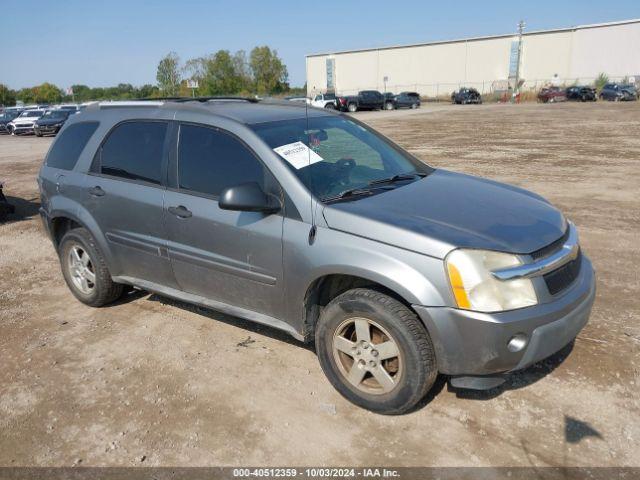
point(616, 92)
point(581, 93)
point(51, 122)
point(465, 96)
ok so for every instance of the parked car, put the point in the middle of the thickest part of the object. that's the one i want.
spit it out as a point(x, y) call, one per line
point(615, 92)
point(389, 101)
point(296, 98)
point(581, 93)
point(5, 207)
point(465, 96)
point(631, 88)
point(365, 100)
point(23, 123)
point(552, 95)
point(73, 108)
point(51, 122)
point(324, 100)
point(6, 117)
point(407, 100)
point(309, 221)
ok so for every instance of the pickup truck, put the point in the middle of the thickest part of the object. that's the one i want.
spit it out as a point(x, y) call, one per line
point(365, 100)
point(324, 100)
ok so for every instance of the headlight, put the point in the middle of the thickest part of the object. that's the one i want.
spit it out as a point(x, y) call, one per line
point(475, 288)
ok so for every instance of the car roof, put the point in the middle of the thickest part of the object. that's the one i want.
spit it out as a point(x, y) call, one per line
point(241, 111)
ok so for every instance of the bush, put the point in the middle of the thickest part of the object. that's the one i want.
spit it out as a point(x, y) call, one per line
point(601, 81)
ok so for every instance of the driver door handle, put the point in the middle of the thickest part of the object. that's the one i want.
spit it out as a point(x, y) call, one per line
point(180, 211)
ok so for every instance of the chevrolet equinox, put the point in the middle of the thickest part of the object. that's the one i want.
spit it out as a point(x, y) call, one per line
point(311, 222)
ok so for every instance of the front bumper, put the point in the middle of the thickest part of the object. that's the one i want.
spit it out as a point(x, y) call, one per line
point(18, 129)
point(46, 129)
point(474, 343)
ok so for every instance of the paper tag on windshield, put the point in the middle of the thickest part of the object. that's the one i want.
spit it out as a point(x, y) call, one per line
point(298, 154)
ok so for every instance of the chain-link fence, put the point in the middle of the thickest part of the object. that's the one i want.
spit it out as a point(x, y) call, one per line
point(490, 89)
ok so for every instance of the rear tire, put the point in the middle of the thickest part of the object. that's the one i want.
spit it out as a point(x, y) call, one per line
point(388, 106)
point(352, 107)
point(330, 106)
point(414, 106)
point(375, 351)
point(85, 270)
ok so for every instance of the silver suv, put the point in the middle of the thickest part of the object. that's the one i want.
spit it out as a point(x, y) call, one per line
point(309, 221)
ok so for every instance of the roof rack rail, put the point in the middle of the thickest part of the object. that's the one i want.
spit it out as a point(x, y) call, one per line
point(199, 99)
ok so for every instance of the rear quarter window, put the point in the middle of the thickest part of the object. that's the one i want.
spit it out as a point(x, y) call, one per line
point(68, 146)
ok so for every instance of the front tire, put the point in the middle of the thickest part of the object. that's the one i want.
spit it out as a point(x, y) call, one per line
point(352, 107)
point(85, 270)
point(375, 351)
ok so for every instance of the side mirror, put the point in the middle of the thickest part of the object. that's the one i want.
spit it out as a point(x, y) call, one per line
point(248, 197)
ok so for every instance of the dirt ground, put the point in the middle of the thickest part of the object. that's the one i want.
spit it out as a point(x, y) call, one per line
point(154, 382)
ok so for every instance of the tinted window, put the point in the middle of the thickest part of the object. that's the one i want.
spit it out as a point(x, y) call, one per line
point(210, 161)
point(69, 144)
point(134, 151)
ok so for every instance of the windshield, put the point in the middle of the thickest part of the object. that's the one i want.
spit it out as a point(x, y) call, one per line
point(336, 154)
point(55, 114)
point(31, 113)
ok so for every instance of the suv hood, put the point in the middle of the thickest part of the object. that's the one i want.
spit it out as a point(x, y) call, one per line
point(446, 210)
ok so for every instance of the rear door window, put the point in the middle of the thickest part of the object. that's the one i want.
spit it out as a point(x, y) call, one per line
point(134, 151)
point(68, 146)
point(210, 160)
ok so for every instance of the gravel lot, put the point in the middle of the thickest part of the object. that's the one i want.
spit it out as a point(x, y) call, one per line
point(154, 382)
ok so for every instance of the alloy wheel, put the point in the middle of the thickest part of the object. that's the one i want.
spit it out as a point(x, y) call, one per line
point(367, 355)
point(81, 269)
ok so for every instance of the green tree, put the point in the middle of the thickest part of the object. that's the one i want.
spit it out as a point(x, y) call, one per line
point(81, 93)
point(221, 76)
point(168, 74)
point(26, 95)
point(601, 81)
point(7, 96)
point(269, 73)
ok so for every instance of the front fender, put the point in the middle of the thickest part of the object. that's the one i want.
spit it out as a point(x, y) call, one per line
point(418, 279)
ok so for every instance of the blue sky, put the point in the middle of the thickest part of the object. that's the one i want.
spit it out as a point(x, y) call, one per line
point(101, 43)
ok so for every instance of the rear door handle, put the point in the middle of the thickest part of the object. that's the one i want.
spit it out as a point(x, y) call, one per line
point(96, 191)
point(180, 211)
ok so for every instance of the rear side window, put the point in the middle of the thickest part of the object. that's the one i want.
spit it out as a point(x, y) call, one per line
point(134, 150)
point(210, 161)
point(69, 144)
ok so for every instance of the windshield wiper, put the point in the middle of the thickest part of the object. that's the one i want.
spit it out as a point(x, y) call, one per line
point(397, 178)
point(352, 192)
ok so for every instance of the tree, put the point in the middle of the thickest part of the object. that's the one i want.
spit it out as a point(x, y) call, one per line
point(168, 75)
point(222, 75)
point(601, 81)
point(47, 93)
point(26, 95)
point(7, 96)
point(269, 73)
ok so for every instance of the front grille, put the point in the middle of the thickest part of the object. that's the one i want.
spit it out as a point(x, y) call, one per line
point(564, 276)
point(551, 248)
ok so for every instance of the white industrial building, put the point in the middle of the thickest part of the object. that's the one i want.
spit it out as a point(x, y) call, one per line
point(563, 56)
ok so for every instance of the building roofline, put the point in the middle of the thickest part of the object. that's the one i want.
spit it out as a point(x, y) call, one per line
point(475, 39)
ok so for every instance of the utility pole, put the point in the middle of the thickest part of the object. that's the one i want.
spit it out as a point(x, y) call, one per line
point(516, 88)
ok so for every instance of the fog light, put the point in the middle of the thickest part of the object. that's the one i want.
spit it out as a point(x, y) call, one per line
point(517, 342)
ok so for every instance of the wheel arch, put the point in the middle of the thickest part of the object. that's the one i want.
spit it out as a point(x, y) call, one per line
point(62, 219)
point(324, 288)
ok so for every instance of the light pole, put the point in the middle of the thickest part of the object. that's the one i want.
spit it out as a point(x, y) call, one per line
point(516, 89)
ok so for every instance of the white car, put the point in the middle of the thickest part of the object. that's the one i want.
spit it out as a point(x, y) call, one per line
point(324, 100)
point(24, 122)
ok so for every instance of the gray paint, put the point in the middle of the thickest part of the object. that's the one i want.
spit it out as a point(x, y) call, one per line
point(261, 267)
